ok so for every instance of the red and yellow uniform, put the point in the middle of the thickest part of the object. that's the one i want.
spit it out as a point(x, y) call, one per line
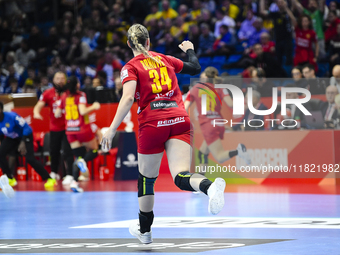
point(77, 126)
point(213, 110)
point(304, 40)
point(50, 97)
point(161, 113)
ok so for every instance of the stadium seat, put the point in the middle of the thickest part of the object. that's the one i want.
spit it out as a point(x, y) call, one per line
point(218, 61)
point(233, 58)
point(288, 69)
point(234, 71)
point(239, 48)
point(323, 70)
point(205, 61)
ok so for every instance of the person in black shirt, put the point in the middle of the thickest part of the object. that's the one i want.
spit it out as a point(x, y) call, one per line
point(282, 31)
point(334, 49)
point(315, 85)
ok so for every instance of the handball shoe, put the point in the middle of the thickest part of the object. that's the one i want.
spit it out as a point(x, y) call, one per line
point(55, 176)
point(6, 188)
point(50, 183)
point(12, 182)
point(145, 238)
point(68, 179)
point(75, 187)
point(82, 165)
point(243, 154)
point(216, 196)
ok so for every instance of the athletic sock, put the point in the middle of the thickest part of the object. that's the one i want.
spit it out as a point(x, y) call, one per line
point(90, 155)
point(233, 153)
point(204, 186)
point(145, 221)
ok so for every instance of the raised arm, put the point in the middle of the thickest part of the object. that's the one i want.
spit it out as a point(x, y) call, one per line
point(297, 5)
point(192, 67)
point(322, 5)
point(263, 11)
point(291, 16)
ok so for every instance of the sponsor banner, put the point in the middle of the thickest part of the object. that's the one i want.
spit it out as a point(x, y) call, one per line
point(229, 222)
point(126, 245)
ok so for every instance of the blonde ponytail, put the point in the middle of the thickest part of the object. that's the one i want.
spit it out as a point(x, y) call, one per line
point(137, 36)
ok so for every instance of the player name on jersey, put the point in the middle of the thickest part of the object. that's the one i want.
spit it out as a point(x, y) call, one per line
point(149, 63)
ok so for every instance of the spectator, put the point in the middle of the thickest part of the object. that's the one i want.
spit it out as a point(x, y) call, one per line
point(315, 85)
point(335, 79)
point(231, 9)
point(87, 82)
point(180, 29)
point(333, 22)
point(91, 37)
point(194, 35)
point(171, 45)
point(52, 40)
point(97, 83)
point(334, 48)
point(6, 36)
point(267, 62)
point(297, 77)
point(295, 112)
point(209, 5)
point(224, 45)
point(196, 9)
point(206, 41)
point(94, 21)
point(256, 32)
point(183, 12)
point(102, 76)
point(259, 119)
point(223, 19)
point(67, 20)
point(245, 7)
point(154, 14)
point(205, 18)
point(24, 54)
point(332, 6)
point(78, 50)
point(167, 12)
point(282, 30)
point(13, 87)
point(63, 49)
point(304, 37)
point(315, 12)
point(109, 64)
point(328, 109)
point(267, 44)
point(247, 27)
point(135, 11)
point(11, 60)
point(261, 84)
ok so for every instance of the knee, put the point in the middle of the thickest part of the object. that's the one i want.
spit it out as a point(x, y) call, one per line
point(182, 181)
point(146, 185)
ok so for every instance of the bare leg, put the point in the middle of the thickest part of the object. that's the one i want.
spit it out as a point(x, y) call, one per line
point(218, 152)
point(179, 153)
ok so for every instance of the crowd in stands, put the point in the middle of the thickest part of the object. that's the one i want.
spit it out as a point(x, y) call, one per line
point(273, 38)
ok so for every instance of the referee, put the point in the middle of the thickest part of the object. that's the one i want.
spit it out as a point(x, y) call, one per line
point(16, 135)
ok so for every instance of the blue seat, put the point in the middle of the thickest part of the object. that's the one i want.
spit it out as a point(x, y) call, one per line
point(234, 71)
point(288, 69)
point(234, 58)
point(218, 61)
point(205, 60)
point(239, 48)
point(323, 70)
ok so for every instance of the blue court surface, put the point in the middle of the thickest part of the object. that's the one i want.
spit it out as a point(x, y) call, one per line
point(37, 222)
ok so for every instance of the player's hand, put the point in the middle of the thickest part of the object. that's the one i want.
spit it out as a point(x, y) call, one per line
point(96, 105)
point(22, 148)
point(106, 141)
point(57, 113)
point(186, 45)
point(37, 116)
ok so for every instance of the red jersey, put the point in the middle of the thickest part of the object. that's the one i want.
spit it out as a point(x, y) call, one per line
point(50, 97)
point(304, 39)
point(73, 120)
point(214, 105)
point(157, 92)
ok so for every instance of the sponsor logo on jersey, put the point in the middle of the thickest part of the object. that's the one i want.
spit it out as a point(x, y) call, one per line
point(162, 104)
point(167, 95)
point(7, 125)
point(177, 120)
point(73, 129)
point(124, 74)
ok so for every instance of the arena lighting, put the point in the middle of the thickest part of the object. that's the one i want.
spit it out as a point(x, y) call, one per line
point(238, 100)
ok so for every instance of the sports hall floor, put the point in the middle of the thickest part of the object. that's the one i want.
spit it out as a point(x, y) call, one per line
point(256, 220)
